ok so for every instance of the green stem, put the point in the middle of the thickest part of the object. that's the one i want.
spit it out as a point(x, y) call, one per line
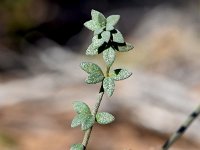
point(182, 129)
point(95, 110)
point(107, 71)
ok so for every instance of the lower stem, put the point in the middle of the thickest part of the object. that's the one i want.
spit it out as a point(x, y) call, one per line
point(182, 129)
point(95, 110)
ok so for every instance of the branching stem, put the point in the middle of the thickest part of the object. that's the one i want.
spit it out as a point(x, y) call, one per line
point(94, 113)
point(88, 132)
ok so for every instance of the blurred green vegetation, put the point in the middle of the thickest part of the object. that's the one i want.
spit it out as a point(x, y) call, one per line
point(7, 141)
point(15, 14)
point(16, 17)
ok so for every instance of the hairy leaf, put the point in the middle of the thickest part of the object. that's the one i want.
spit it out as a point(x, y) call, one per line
point(98, 31)
point(112, 20)
point(78, 120)
point(109, 27)
point(91, 50)
point(91, 68)
point(109, 85)
point(125, 48)
point(109, 56)
point(97, 42)
point(88, 122)
point(81, 107)
point(105, 36)
point(98, 18)
point(104, 118)
point(94, 78)
point(91, 25)
point(117, 37)
point(77, 147)
point(120, 74)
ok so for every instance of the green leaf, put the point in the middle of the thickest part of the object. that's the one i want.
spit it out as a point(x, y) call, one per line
point(91, 50)
point(77, 147)
point(109, 85)
point(91, 25)
point(104, 118)
point(98, 17)
point(109, 56)
point(113, 19)
point(94, 78)
point(109, 27)
point(88, 122)
point(117, 37)
point(81, 107)
point(125, 48)
point(85, 120)
point(120, 74)
point(105, 36)
point(78, 120)
point(98, 31)
point(97, 42)
point(91, 68)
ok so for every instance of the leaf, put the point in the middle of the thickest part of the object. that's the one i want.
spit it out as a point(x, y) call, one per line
point(120, 74)
point(125, 48)
point(113, 19)
point(105, 36)
point(91, 50)
point(91, 68)
point(78, 120)
point(77, 147)
point(95, 73)
point(88, 122)
point(98, 31)
point(81, 107)
point(85, 120)
point(98, 18)
point(109, 27)
point(117, 37)
point(91, 25)
point(109, 85)
point(97, 42)
point(109, 56)
point(104, 118)
point(94, 78)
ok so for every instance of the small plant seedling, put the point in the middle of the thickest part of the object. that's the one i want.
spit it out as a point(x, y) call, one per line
point(109, 41)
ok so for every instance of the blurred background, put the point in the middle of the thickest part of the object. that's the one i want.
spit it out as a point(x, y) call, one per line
point(42, 43)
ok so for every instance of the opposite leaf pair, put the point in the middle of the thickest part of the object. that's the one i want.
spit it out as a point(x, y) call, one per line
point(96, 75)
point(86, 119)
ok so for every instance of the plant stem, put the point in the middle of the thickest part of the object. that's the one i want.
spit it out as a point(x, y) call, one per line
point(107, 71)
point(182, 129)
point(95, 110)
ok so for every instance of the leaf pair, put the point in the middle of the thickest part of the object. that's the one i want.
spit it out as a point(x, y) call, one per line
point(83, 117)
point(95, 73)
point(86, 119)
point(116, 75)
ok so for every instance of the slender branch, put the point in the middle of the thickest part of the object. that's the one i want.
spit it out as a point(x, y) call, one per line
point(94, 113)
point(107, 71)
point(95, 110)
point(182, 129)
